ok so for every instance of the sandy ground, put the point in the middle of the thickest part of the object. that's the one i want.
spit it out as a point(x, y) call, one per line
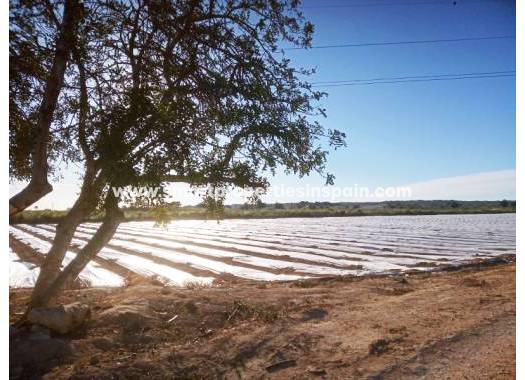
point(444, 325)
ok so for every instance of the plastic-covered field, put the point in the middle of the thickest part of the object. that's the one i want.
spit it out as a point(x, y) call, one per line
point(278, 249)
point(21, 274)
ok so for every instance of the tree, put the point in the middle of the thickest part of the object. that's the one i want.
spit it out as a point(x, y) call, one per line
point(40, 46)
point(182, 91)
point(278, 206)
point(454, 204)
point(504, 203)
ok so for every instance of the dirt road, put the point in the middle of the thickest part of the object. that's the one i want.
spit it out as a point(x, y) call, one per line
point(435, 326)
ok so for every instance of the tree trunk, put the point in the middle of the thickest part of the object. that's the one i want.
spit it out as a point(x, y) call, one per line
point(34, 191)
point(103, 235)
point(39, 185)
point(85, 204)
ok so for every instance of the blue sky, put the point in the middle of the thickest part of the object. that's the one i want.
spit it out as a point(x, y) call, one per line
point(407, 133)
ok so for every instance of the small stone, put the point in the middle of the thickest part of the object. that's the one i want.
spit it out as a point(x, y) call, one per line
point(317, 371)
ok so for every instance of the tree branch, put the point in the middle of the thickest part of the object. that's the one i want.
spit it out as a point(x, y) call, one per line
point(39, 185)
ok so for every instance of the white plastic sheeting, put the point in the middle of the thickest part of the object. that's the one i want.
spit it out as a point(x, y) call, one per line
point(21, 273)
point(93, 274)
point(325, 246)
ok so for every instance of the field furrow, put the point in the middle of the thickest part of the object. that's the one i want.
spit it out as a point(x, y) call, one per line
point(198, 251)
point(92, 275)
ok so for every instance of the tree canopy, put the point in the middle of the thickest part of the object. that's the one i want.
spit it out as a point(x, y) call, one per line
point(194, 91)
point(164, 91)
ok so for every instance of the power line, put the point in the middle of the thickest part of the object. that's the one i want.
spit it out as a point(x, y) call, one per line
point(402, 3)
point(414, 80)
point(414, 77)
point(422, 78)
point(410, 42)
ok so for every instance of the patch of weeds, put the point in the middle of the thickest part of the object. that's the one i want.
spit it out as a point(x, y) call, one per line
point(195, 285)
point(398, 290)
point(133, 280)
point(305, 284)
point(242, 310)
point(378, 347)
point(314, 314)
point(190, 307)
point(474, 282)
point(398, 330)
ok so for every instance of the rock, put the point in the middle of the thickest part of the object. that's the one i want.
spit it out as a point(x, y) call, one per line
point(131, 317)
point(36, 357)
point(39, 333)
point(13, 331)
point(16, 372)
point(61, 319)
